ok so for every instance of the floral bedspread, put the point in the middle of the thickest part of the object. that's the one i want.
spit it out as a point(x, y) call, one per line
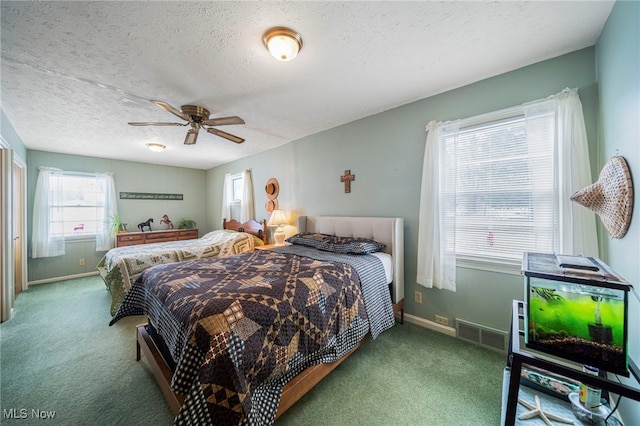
point(240, 327)
point(122, 266)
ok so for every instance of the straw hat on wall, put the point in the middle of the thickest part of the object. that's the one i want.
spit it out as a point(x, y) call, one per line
point(611, 197)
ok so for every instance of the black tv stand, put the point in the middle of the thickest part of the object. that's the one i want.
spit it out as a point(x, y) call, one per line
point(517, 357)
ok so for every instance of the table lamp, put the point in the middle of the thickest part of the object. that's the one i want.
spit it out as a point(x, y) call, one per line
point(278, 218)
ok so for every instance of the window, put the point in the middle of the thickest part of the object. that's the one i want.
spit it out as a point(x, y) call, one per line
point(238, 187)
point(502, 190)
point(237, 196)
point(498, 185)
point(68, 205)
point(81, 208)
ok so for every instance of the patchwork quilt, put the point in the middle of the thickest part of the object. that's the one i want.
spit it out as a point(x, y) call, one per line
point(122, 266)
point(241, 327)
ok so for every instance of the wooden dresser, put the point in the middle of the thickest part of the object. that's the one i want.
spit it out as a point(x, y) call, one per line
point(136, 238)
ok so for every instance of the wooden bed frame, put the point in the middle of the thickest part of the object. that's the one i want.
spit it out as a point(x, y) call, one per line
point(389, 231)
point(250, 227)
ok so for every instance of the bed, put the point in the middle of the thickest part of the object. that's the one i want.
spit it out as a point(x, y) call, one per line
point(120, 267)
point(240, 339)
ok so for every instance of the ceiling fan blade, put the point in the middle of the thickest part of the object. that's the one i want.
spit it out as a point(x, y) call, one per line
point(223, 121)
point(146, 123)
point(225, 135)
point(192, 136)
point(172, 110)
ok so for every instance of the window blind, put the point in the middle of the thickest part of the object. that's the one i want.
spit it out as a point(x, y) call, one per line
point(80, 208)
point(498, 186)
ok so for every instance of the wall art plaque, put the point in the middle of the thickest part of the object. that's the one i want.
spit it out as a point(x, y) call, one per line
point(149, 196)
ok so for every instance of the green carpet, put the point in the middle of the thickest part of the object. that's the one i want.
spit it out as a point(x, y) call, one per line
point(58, 354)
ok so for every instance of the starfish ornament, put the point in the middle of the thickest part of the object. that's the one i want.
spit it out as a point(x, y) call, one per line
point(537, 411)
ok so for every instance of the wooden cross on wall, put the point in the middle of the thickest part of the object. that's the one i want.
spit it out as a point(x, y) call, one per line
point(347, 179)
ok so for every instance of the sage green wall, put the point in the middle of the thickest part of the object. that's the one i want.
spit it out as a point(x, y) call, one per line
point(385, 152)
point(618, 71)
point(129, 176)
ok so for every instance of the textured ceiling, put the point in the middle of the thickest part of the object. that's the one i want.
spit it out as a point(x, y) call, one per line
point(74, 73)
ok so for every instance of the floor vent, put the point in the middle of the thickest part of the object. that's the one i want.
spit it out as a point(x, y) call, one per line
point(484, 336)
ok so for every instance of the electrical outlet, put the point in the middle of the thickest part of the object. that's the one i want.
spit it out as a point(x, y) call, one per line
point(417, 297)
point(442, 320)
point(81, 262)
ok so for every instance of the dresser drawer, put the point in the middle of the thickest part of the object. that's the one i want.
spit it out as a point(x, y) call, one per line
point(136, 238)
point(160, 237)
point(188, 234)
point(129, 239)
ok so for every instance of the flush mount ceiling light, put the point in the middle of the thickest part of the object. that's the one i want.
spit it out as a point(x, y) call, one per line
point(156, 147)
point(283, 43)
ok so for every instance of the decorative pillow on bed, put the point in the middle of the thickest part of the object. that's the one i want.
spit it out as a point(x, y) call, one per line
point(336, 244)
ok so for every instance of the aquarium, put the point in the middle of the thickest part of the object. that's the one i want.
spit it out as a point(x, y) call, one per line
point(577, 310)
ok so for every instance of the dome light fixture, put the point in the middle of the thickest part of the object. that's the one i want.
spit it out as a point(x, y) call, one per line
point(156, 147)
point(283, 43)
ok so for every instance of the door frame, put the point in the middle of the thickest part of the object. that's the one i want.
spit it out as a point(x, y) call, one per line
point(13, 203)
point(20, 224)
point(6, 237)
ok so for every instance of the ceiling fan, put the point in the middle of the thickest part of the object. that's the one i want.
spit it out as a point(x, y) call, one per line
point(198, 118)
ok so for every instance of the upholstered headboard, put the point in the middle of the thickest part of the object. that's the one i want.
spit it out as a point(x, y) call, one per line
point(386, 230)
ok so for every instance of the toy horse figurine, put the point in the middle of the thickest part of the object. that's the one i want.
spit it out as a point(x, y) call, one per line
point(165, 220)
point(142, 225)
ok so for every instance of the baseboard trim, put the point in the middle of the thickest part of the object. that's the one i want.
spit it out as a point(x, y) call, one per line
point(66, 277)
point(432, 325)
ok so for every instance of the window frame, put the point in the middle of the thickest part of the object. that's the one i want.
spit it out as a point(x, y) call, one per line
point(83, 236)
point(236, 179)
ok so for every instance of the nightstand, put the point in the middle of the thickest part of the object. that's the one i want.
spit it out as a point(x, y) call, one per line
point(265, 247)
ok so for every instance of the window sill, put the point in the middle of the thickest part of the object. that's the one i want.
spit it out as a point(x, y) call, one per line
point(490, 265)
point(79, 238)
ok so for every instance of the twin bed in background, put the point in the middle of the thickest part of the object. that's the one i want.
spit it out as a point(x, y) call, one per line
point(121, 266)
point(239, 339)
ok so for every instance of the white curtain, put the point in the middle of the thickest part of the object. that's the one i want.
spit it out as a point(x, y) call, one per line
point(246, 199)
point(246, 205)
point(227, 194)
point(436, 229)
point(104, 240)
point(572, 170)
point(45, 241)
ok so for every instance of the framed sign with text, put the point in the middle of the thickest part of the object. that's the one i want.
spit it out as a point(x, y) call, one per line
point(149, 196)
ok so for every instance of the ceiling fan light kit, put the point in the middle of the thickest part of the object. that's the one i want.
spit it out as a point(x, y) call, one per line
point(283, 43)
point(156, 147)
point(198, 118)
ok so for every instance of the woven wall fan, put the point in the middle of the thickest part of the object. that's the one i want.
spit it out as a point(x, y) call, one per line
point(611, 197)
point(198, 118)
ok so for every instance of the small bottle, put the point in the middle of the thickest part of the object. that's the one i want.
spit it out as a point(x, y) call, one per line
point(589, 395)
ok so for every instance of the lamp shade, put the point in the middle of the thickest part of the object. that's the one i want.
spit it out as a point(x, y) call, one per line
point(278, 218)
